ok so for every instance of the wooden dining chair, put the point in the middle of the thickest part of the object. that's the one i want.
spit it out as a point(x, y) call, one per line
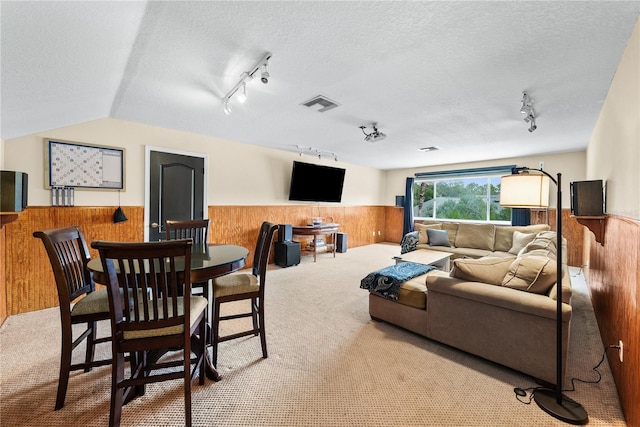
point(241, 286)
point(155, 314)
point(79, 301)
point(195, 229)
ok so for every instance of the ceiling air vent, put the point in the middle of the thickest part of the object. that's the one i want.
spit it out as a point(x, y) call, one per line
point(432, 148)
point(324, 102)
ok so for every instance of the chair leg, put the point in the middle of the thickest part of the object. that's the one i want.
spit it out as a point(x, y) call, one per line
point(203, 350)
point(91, 345)
point(263, 333)
point(117, 375)
point(187, 382)
point(65, 365)
point(215, 333)
point(254, 315)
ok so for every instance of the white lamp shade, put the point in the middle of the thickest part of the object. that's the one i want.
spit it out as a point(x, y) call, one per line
point(524, 191)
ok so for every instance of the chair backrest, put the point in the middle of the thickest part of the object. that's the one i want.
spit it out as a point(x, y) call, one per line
point(68, 253)
point(262, 251)
point(149, 284)
point(195, 229)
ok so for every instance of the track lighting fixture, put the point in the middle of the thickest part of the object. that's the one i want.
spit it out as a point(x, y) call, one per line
point(240, 88)
point(315, 151)
point(374, 136)
point(527, 110)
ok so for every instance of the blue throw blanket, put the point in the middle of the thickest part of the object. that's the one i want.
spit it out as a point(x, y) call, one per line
point(387, 281)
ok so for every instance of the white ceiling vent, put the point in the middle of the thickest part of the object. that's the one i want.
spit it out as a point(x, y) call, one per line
point(324, 102)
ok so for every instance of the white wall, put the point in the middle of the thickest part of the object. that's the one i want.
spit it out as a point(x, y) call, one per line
point(239, 174)
point(614, 149)
point(570, 165)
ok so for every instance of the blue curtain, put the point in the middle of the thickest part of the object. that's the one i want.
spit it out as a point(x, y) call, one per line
point(408, 206)
point(520, 216)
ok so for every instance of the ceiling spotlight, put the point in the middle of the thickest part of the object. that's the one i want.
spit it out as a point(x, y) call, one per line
point(227, 106)
point(374, 136)
point(265, 74)
point(242, 96)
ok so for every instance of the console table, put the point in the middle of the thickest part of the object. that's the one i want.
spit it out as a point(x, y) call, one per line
point(315, 231)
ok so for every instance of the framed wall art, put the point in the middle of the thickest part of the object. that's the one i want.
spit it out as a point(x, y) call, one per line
point(79, 165)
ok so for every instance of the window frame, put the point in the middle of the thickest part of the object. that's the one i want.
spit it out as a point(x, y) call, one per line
point(489, 174)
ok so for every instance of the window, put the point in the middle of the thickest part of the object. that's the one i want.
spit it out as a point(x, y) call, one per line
point(470, 194)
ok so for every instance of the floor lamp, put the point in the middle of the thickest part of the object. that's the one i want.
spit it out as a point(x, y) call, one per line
point(525, 190)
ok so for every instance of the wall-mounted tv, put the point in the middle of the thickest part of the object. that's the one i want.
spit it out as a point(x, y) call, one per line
point(316, 183)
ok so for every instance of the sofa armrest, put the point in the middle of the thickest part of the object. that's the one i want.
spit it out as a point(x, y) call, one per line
point(499, 296)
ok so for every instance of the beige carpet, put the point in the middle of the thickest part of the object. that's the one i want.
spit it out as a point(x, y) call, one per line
point(329, 365)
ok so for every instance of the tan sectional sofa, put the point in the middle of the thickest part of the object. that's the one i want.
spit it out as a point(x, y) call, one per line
point(498, 302)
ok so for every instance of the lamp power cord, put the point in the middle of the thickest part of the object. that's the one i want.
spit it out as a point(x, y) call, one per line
point(526, 395)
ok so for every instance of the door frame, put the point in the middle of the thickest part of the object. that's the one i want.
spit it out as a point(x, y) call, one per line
point(147, 180)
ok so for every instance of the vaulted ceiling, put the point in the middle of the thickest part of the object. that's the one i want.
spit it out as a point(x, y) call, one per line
point(443, 74)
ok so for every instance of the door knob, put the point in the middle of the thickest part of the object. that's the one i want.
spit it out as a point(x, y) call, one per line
point(154, 225)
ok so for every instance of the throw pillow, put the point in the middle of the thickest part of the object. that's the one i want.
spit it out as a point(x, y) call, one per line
point(520, 240)
point(409, 242)
point(476, 236)
point(423, 239)
point(531, 273)
point(438, 237)
point(488, 269)
point(545, 240)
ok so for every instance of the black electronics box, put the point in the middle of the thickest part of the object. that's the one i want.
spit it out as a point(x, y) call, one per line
point(341, 242)
point(587, 198)
point(13, 191)
point(287, 253)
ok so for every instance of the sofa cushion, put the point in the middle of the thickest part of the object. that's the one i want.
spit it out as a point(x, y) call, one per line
point(452, 230)
point(422, 231)
point(504, 234)
point(490, 270)
point(520, 240)
point(413, 292)
point(476, 236)
point(531, 273)
point(438, 237)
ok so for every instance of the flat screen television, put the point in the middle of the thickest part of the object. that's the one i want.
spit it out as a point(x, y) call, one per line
point(316, 183)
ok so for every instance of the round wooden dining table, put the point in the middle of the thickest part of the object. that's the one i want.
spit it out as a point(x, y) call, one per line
point(207, 262)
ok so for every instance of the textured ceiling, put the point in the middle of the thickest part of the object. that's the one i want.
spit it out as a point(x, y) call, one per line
point(445, 74)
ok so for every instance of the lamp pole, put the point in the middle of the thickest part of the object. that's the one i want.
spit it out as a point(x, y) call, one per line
point(549, 400)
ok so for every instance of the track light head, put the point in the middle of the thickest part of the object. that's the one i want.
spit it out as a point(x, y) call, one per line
point(265, 74)
point(242, 93)
point(227, 106)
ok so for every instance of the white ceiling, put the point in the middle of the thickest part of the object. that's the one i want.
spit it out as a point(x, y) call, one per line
point(445, 74)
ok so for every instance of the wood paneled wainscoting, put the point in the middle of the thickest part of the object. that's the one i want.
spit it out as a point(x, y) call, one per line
point(26, 273)
point(613, 277)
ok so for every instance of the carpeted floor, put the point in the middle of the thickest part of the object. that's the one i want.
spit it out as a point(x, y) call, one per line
point(329, 365)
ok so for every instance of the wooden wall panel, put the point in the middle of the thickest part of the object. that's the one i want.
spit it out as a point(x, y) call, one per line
point(3, 287)
point(614, 283)
point(27, 275)
point(29, 279)
point(394, 224)
point(240, 224)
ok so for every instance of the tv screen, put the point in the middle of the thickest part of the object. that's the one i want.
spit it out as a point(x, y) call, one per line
point(316, 183)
